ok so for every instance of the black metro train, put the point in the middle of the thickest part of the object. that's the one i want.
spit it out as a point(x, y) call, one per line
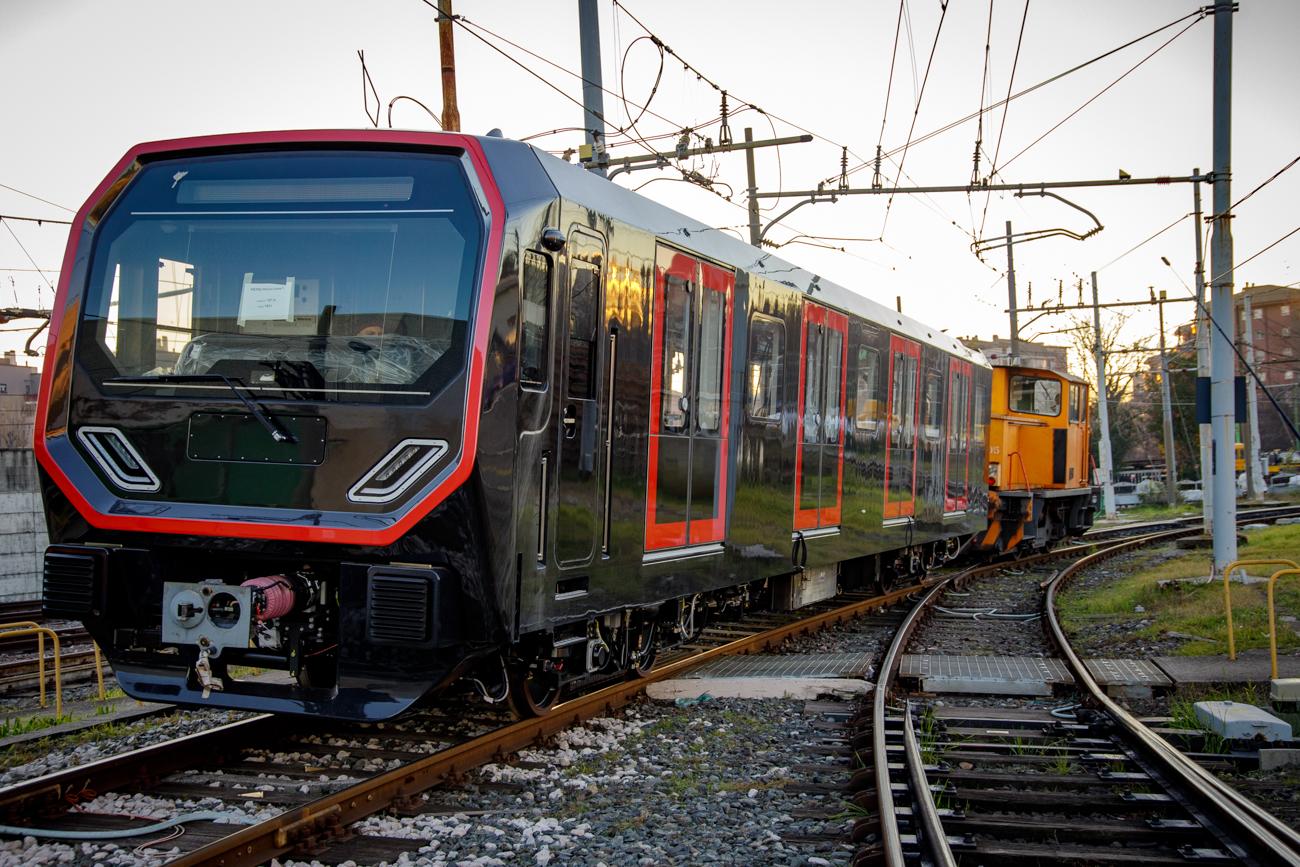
point(386, 410)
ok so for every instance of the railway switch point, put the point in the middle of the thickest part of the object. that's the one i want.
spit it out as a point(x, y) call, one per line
point(1242, 722)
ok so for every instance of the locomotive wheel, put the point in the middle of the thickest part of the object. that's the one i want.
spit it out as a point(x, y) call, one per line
point(532, 693)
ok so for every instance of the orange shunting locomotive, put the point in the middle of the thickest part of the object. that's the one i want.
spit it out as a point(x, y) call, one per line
point(1038, 459)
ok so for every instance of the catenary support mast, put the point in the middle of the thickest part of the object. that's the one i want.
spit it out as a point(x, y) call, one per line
point(1103, 411)
point(593, 97)
point(1222, 358)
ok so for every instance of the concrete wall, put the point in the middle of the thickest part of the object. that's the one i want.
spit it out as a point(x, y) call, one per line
point(22, 520)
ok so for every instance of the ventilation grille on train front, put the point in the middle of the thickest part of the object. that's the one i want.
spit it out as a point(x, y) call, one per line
point(399, 607)
point(73, 582)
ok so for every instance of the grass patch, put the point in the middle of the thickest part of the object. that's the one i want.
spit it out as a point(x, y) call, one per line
point(1159, 511)
point(1195, 609)
point(21, 754)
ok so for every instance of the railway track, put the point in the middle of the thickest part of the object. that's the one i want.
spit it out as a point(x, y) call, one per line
point(1087, 783)
point(341, 774)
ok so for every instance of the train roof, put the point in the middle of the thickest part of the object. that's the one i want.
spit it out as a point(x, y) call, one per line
point(579, 184)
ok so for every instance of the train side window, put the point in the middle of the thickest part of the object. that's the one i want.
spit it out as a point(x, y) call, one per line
point(814, 358)
point(763, 374)
point(534, 321)
point(980, 411)
point(933, 414)
point(903, 420)
point(584, 292)
point(712, 330)
point(867, 411)
point(1035, 395)
point(958, 399)
point(834, 378)
point(1076, 401)
point(676, 374)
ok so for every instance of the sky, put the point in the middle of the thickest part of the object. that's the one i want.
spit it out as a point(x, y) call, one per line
point(85, 81)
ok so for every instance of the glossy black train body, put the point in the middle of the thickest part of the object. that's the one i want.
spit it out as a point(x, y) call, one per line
point(382, 410)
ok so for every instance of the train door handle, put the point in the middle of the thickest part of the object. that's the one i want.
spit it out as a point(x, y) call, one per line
point(570, 421)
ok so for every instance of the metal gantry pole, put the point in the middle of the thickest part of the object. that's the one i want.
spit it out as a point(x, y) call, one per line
point(593, 97)
point(1222, 360)
point(1171, 460)
point(1254, 476)
point(1011, 297)
point(447, 55)
point(1103, 411)
point(1204, 430)
point(755, 233)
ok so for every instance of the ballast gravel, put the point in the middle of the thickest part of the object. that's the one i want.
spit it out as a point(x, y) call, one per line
point(61, 754)
point(658, 784)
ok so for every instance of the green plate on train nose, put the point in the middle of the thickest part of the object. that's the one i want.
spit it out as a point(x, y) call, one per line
point(240, 438)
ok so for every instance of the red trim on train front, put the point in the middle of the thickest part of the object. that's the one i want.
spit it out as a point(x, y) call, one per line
point(478, 349)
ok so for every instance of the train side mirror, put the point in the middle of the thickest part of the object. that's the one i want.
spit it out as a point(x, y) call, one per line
point(553, 239)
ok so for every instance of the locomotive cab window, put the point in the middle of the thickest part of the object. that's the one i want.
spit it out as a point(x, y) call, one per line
point(1076, 402)
point(1035, 395)
point(534, 321)
point(306, 275)
point(763, 374)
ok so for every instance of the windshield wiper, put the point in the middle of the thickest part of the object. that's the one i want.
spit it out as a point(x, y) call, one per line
point(277, 433)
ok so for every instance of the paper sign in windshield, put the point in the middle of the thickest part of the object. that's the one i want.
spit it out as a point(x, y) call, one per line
point(264, 302)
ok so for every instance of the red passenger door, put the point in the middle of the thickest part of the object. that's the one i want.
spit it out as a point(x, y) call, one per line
point(900, 436)
point(690, 407)
point(819, 458)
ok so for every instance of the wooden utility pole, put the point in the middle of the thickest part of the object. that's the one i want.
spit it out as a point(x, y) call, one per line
point(447, 49)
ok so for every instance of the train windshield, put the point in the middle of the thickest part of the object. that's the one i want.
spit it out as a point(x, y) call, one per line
point(311, 275)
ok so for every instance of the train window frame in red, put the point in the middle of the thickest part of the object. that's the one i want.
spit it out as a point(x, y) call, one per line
point(703, 277)
point(958, 371)
point(821, 516)
point(902, 346)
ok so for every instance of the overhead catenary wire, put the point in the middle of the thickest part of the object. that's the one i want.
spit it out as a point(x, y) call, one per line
point(19, 242)
point(37, 220)
point(1099, 94)
point(36, 197)
point(920, 96)
point(1277, 174)
point(1198, 14)
point(1002, 125)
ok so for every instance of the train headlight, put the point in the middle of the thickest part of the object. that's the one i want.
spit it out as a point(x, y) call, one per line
point(995, 474)
point(397, 471)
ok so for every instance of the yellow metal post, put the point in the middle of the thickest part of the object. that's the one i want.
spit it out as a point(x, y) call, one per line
point(40, 648)
point(1227, 595)
point(1272, 621)
point(99, 670)
point(27, 627)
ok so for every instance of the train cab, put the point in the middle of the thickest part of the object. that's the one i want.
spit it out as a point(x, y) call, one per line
point(1038, 460)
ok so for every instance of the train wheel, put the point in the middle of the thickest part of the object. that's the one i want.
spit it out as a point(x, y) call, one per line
point(643, 660)
point(532, 693)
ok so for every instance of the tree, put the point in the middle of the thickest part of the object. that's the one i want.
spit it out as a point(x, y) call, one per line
point(1124, 361)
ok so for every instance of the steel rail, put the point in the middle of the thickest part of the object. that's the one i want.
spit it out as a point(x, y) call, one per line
point(933, 835)
point(61, 789)
point(1272, 841)
point(327, 816)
